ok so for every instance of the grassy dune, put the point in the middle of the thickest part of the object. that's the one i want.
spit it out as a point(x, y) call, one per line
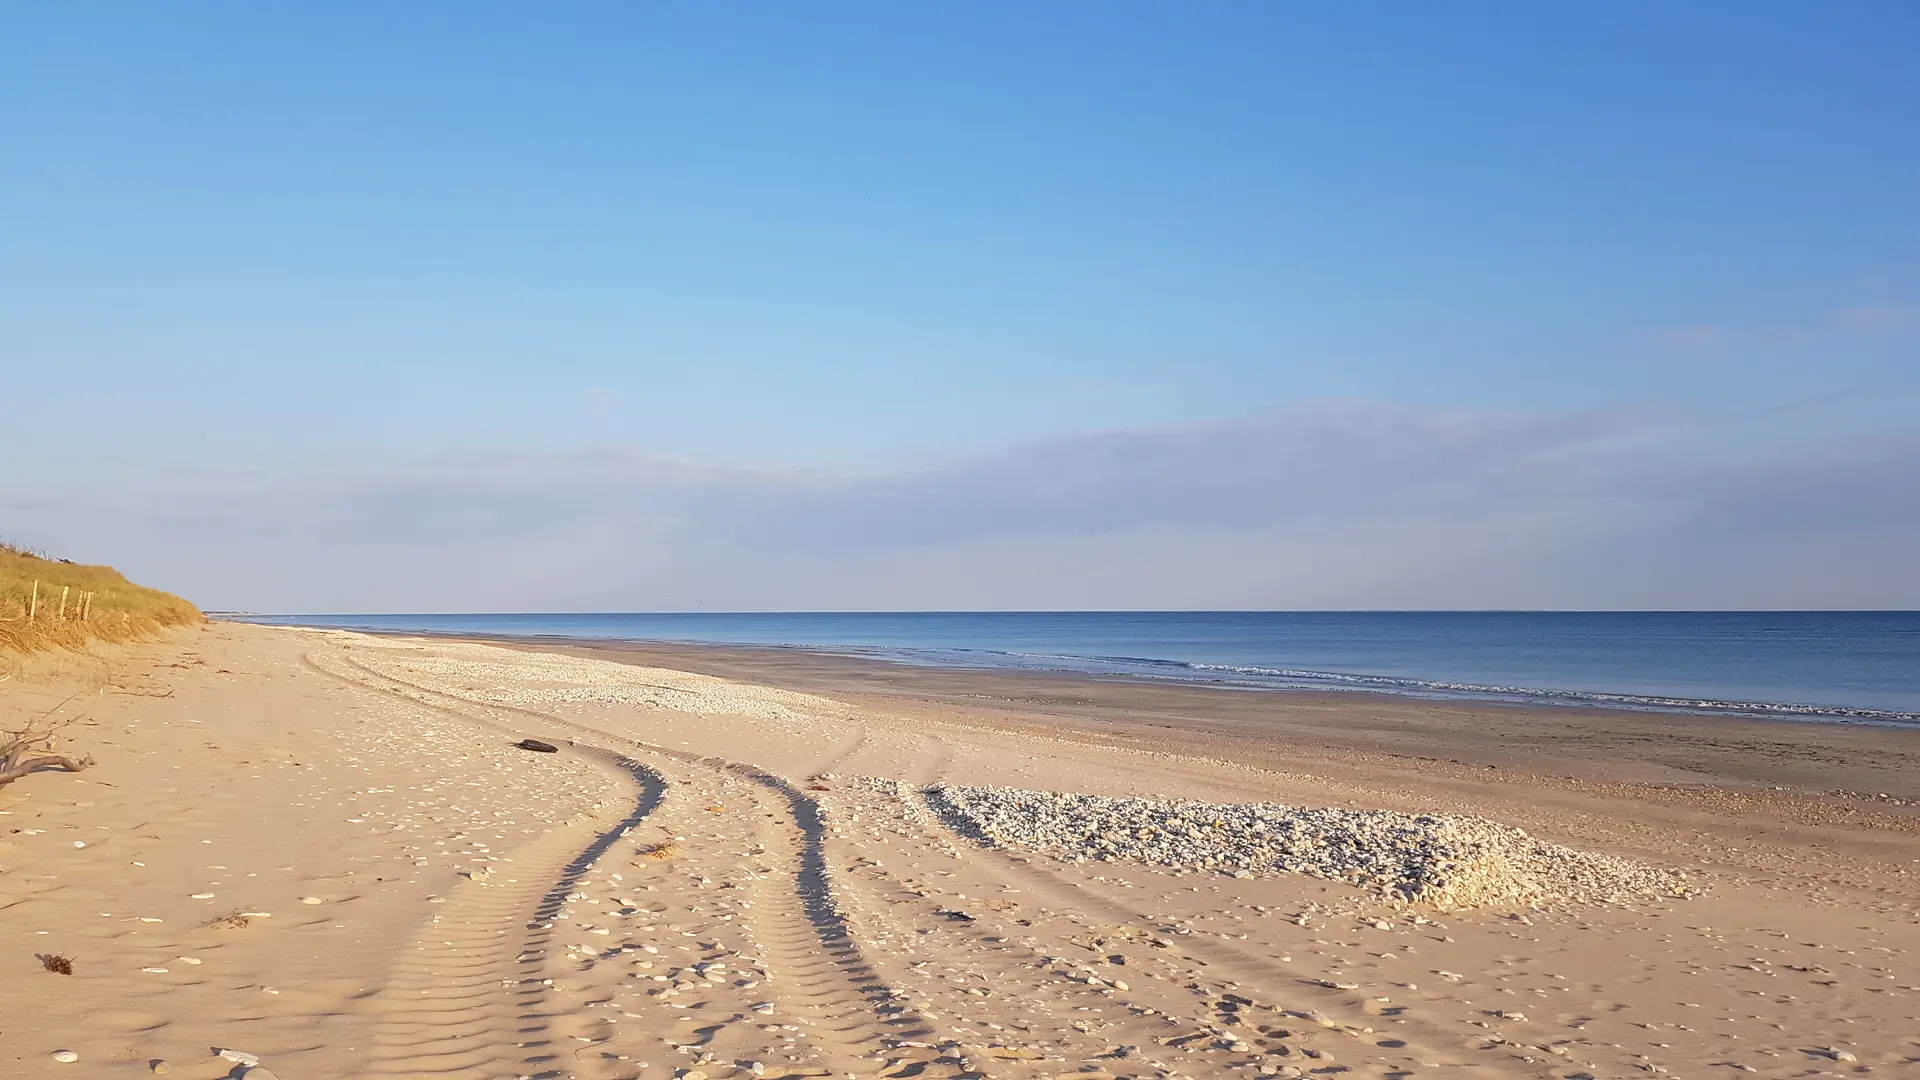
point(101, 604)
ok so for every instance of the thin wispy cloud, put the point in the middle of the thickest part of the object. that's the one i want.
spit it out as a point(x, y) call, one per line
point(1880, 317)
point(1864, 320)
point(1704, 336)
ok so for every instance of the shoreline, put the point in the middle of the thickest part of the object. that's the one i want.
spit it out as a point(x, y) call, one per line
point(1753, 798)
point(1438, 728)
point(329, 850)
point(1358, 684)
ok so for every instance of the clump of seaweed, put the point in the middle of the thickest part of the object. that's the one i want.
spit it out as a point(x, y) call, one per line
point(235, 921)
point(54, 962)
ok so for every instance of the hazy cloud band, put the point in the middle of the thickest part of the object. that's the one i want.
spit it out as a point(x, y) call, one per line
point(1330, 505)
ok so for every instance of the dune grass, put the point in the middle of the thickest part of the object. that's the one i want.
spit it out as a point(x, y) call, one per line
point(100, 604)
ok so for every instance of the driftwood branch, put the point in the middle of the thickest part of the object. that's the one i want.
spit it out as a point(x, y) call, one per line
point(33, 748)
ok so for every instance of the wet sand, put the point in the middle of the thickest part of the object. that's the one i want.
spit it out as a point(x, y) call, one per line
point(1729, 779)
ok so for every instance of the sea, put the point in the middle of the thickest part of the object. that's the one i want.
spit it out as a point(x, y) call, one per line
point(1861, 667)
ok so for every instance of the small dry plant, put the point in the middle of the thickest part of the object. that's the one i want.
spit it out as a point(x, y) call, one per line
point(54, 962)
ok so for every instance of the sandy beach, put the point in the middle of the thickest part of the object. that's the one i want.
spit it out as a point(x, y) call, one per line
point(324, 854)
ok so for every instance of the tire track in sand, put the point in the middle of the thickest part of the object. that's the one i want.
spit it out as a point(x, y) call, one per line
point(466, 998)
point(821, 974)
point(811, 943)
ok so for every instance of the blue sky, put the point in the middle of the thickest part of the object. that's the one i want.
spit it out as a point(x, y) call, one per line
point(303, 254)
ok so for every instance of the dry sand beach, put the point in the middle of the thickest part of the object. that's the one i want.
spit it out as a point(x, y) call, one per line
point(323, 853)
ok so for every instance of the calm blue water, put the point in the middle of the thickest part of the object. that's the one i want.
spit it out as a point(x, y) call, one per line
point(1862, 666)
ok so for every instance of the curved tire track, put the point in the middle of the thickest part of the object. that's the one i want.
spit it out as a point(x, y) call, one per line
point(820, 971)
point(456, 998)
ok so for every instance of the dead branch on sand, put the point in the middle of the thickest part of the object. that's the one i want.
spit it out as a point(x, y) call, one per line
point(34, 747)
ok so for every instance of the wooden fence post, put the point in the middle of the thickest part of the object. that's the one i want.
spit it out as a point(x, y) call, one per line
point(33, 606)
point(64, 589)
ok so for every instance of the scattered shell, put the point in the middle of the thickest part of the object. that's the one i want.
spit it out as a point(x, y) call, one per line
point(1428, 858)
